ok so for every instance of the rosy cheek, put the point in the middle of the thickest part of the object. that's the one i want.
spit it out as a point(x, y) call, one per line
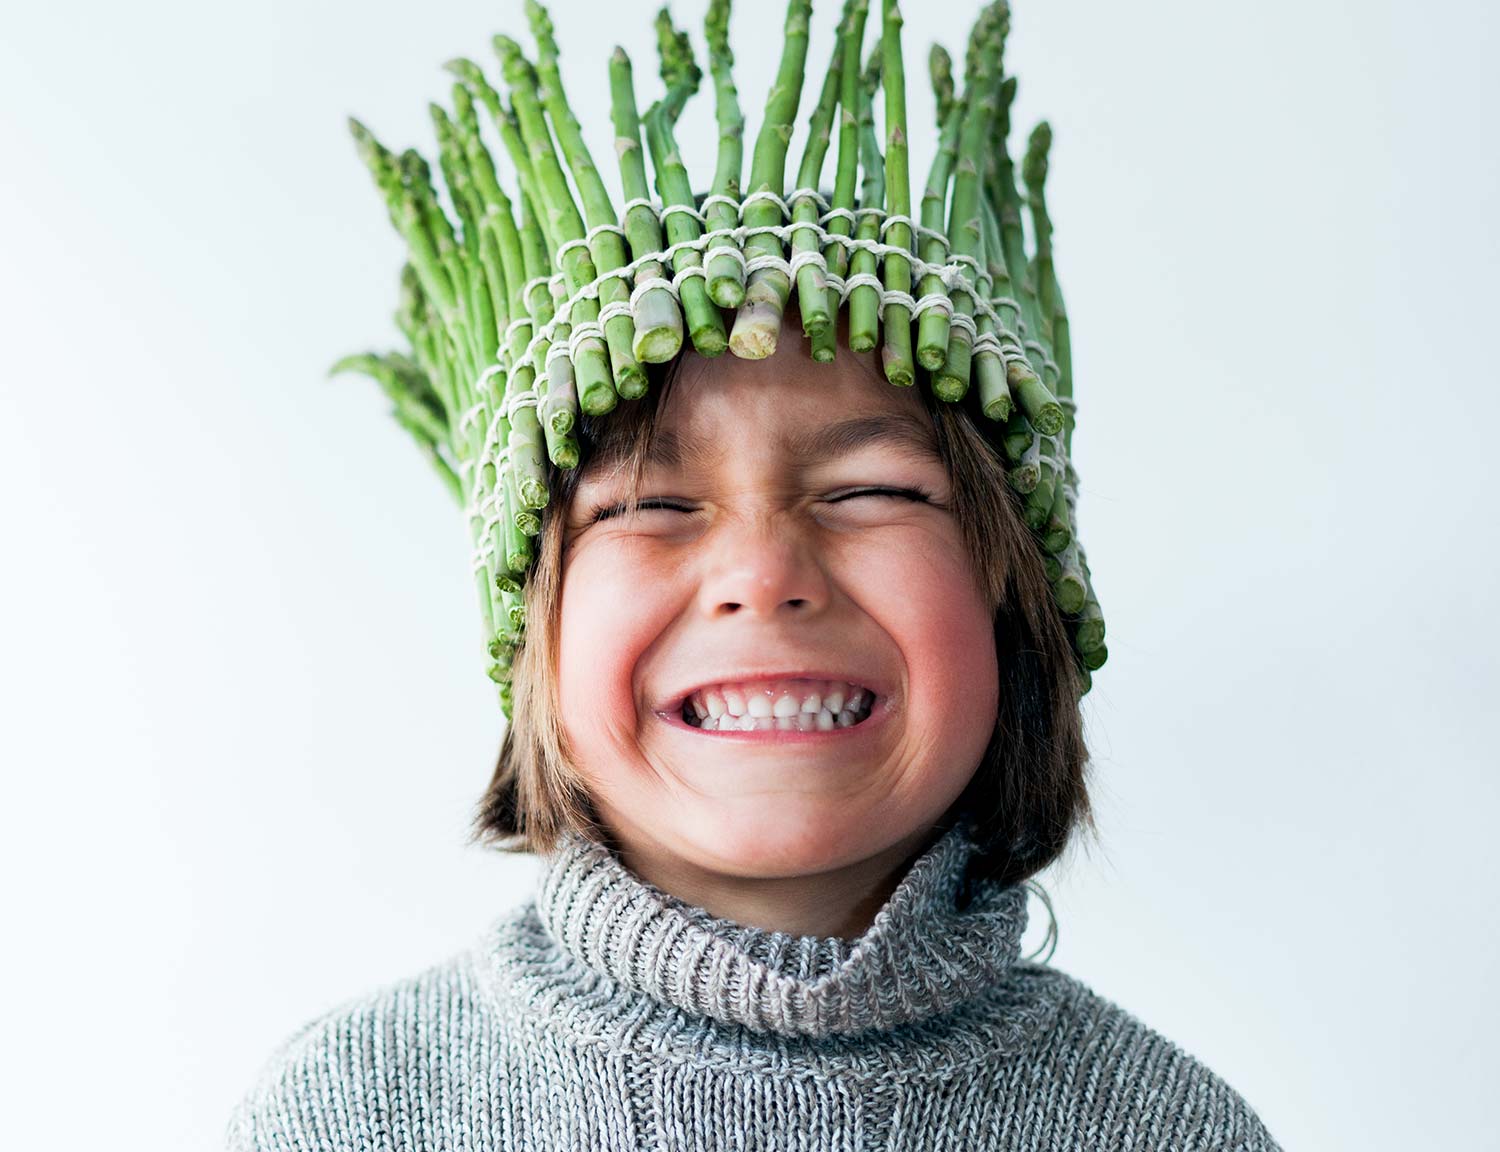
point(608, 616)
point(940, 622)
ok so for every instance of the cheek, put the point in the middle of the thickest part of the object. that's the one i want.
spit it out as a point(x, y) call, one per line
point(943, 627)
point(607, 617)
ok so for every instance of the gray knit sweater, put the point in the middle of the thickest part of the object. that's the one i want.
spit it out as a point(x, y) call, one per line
point(607, 1014)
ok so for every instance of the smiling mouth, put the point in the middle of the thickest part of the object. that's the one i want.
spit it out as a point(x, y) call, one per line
point(799, 706)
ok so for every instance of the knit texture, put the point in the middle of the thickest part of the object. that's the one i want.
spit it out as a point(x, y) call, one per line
point(608, 1014)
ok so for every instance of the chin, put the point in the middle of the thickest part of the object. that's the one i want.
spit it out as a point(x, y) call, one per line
point(774, 838)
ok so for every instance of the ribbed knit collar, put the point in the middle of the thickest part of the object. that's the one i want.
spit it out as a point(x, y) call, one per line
point(922, 956)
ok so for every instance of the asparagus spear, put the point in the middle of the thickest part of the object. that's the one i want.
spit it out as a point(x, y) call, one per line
point(1040, 401)
point(559, 410)
point(1027, 387)
point(932, 328)
point(964, 227)
point(607, 247)
point(812, 283)
point(705, 323)
point(487, 311)
point(989, 366)
point(864, 297)
point(658, 319)
point(425, 426)
point(726, 264)
point(836, 253)
point(757, 323)
point(896, 355)
point(940, 69)
point(596, 387)
point(521, 431)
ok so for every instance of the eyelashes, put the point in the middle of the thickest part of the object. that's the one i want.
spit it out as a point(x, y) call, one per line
point(606, 511)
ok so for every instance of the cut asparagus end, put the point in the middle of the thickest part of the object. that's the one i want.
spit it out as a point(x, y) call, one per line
point(1070, 593)
point(757, 324)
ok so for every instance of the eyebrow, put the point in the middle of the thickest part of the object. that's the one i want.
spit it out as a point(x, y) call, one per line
point(830, 441)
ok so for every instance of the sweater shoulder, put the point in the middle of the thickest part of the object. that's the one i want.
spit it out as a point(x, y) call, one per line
point(365, 1069)
point(1132, 1087)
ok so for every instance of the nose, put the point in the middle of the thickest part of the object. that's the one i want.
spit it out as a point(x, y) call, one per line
point(765, 566)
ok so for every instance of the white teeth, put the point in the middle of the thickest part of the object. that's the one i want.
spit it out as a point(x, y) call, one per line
point(778, 706)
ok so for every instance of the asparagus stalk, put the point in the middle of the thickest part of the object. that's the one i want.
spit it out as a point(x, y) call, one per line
point(812, 283)
point(757, 323)
point(850, 101)
point(415, 407)
point(1039, 401)
point(940, 69)
point(1089, 635)
point(427, 220)
point(411, 412)
point(1069, 589)
point(607, 247)
point(559, 409)
point(406, 215)
point(481, 299)
point(705, 323)
point(896, 355)
point(1027, 387)
point(864, 297)
point(596, 388)
point(658, 319)
point(726, 265)
point(412, 319)
point(932, 328)
point(522, 431)
point(989, 365)
point(1057, 534)
point(964, 228)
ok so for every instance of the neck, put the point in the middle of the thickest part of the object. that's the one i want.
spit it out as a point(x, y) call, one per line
point(841, 902)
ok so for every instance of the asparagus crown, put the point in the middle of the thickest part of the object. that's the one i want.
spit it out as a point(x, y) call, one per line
point(525, 311)
point(940, 67)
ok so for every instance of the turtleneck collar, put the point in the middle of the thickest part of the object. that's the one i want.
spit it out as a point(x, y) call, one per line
point(922, 956)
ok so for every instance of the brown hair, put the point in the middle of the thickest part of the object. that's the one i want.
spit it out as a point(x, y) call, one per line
point(1028, 792)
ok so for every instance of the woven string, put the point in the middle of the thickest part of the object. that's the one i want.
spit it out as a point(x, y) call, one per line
point(954, 273)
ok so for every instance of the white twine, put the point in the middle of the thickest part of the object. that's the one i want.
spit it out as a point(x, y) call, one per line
point(959, 272)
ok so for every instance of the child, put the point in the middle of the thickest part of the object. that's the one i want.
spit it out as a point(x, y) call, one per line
point(794, 721)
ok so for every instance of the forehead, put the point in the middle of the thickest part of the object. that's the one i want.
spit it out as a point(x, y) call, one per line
point(841, 435)
point(787, 404)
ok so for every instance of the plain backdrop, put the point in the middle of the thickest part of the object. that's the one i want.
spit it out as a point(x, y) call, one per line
point(245, 710)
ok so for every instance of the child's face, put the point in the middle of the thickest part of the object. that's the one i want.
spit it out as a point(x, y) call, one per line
point(765, 576)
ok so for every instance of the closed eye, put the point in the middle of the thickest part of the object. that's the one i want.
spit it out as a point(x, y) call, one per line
point(608, 510)
point(605, 512)
point(914, 494)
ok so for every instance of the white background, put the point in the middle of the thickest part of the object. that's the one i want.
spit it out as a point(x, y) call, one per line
point(245, 711)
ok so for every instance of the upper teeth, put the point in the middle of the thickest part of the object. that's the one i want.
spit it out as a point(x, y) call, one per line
point(801, 704)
